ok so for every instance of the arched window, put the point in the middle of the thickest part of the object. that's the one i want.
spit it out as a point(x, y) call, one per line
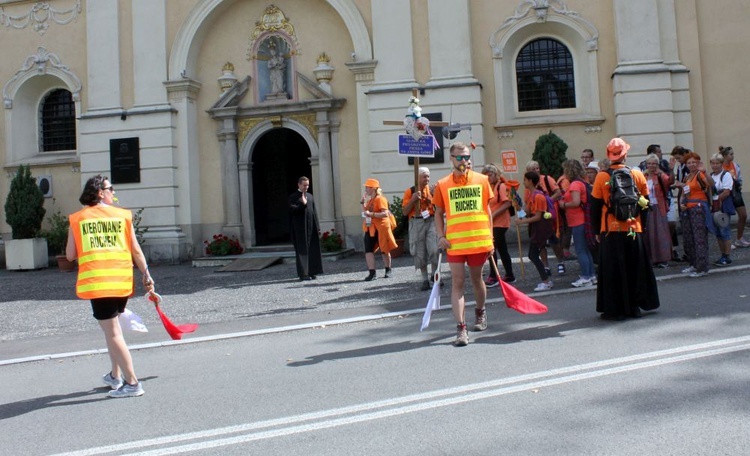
point(57, 122)
point(544, 76)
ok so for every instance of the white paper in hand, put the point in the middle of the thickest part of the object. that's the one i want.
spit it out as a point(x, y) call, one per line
point(130, 321)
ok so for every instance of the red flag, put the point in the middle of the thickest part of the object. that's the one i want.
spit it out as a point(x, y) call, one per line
point(174, 331)
point(519, 301)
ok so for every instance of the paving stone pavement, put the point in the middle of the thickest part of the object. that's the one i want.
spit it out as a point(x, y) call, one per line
point(43, 303)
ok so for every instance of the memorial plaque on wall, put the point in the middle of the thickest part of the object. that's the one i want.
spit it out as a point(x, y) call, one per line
point(125, 161)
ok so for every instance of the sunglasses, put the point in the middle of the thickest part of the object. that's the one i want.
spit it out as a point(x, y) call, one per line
point(110, 188)
point(462, 157)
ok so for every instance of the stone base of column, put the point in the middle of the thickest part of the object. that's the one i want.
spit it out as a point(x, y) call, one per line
point(166, 245)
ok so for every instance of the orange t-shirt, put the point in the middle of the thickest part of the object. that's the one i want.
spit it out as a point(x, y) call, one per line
point(574, 215)
point(425, 203)
point(501, 196)
point(696, 190)
point(535, 203)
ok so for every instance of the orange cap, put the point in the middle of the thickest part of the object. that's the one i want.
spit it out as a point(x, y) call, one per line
point(617, 149)
point(372, 183)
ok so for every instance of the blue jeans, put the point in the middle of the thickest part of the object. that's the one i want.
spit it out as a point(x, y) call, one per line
point(585, 260)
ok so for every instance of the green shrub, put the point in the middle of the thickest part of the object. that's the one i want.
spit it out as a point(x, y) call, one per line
point(24, 208)
point(403, 223)
point(57, 234)
point(550, 153)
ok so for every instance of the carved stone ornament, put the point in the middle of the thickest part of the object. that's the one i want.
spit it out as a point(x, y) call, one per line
point(273, 20)
point(324, 71)
point(540, 9)
point(228, 78)
point(41, 63)
point(39, 16)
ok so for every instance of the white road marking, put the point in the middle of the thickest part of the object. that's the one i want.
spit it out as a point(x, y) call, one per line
point(343, 416)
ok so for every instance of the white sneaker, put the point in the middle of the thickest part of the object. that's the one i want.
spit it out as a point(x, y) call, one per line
point(543, 286)
point(112, 382)
point(688, 270)
point(127, 391)
point(582, 282)
point(699, 274)
point(594, 280)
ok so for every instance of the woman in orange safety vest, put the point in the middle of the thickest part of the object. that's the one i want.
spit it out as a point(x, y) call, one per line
point(103, 240)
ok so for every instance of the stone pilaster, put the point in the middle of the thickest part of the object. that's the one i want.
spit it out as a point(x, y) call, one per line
point(450, 42)
point(149, 51)
point(103, 55)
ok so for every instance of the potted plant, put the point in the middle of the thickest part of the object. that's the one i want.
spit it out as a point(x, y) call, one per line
point(24, 212)
point(402, 226)
point(57, 238)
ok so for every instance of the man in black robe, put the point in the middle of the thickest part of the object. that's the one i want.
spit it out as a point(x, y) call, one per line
point(303, 224)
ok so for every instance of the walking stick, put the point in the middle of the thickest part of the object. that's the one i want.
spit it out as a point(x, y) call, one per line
point(520, 254)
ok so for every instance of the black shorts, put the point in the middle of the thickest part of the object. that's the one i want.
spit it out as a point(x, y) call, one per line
point(737, 199)
point(107, 308)
point(371, 242)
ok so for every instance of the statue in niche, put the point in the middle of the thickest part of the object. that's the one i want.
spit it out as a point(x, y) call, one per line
point(274, 60)
point(276, 70)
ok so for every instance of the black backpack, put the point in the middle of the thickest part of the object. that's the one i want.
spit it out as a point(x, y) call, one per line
point(623, 194)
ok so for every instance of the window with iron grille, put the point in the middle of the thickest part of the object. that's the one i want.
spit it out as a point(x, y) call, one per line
point(544, 76)
point(57, 122)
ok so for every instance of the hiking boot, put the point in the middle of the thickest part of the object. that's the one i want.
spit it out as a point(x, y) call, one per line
point(508, 279)
point(425, 285)
point(370, 276)
point(127, 390)
point(491, 282)
point(112, 382)
point(387, 274)
point(462, 336)
point(480, 324)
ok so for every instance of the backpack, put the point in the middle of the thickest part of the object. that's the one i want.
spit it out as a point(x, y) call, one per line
point(623, 194)
point(550, 205)
point(727, 206)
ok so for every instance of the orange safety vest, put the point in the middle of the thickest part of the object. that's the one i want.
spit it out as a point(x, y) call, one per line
point(105, 260)
point(468, 224)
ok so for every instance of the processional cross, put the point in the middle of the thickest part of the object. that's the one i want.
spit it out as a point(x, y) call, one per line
point(419, 128)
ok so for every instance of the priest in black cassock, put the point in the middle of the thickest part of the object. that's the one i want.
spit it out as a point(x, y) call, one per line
point(303, 224)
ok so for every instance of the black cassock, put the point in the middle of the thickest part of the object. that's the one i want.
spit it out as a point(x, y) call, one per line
point(304, 227)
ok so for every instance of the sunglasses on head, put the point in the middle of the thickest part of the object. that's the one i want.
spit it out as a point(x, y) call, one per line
point(462, 157)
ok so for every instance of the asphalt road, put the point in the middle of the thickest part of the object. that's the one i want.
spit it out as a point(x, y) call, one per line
point(672, 382)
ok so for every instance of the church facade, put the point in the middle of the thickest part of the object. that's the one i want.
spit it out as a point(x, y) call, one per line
point(204, 113)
